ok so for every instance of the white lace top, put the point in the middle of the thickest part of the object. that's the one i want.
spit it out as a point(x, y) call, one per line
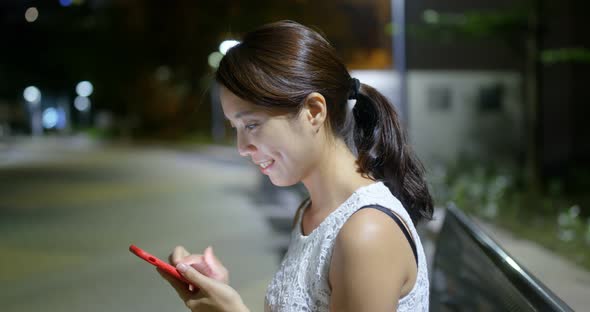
point(301, 283)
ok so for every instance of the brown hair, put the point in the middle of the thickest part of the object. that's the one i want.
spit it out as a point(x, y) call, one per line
point(278, 65)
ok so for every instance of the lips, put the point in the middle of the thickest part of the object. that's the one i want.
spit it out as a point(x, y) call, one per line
point(265, 164)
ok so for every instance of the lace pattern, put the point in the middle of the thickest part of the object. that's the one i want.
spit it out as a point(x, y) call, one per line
point(301, 283)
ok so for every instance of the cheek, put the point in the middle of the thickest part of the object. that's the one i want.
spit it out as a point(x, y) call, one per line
point(299, 153)
point(287, 142)
point(283, 149)
point(283, 145)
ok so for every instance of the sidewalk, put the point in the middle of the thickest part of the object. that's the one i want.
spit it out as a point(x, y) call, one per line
point(568, 281)
point(25, 149)
point(70, 238)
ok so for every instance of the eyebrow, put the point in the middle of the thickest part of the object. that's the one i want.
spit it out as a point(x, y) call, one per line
point(242, 113)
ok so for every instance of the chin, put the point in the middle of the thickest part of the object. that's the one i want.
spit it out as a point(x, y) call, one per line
point(283, 182)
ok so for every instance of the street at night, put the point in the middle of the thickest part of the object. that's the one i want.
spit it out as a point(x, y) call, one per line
point(68, 213)
point(208, 123)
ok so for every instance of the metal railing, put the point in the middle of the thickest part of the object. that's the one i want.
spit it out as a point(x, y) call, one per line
point(471, 272)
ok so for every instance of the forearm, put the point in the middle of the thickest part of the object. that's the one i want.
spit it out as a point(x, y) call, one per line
point(243, 308)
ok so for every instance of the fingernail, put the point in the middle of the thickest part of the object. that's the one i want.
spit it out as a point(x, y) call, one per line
point(182, 267)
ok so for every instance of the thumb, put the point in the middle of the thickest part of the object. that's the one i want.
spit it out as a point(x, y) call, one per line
point(196, 278)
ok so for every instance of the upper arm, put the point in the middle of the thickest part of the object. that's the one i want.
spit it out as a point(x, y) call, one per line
point(370, 263)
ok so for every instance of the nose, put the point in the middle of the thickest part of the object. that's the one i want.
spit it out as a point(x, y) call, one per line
point(245, 148)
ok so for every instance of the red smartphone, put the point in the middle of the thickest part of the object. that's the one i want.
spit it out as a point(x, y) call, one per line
point(157, 263)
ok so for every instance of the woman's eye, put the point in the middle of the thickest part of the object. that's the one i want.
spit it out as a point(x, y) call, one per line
point(251, 126)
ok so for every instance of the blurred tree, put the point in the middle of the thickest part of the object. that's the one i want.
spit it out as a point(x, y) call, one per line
point(522, 28)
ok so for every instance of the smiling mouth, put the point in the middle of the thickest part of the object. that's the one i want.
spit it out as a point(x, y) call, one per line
point(265, 164)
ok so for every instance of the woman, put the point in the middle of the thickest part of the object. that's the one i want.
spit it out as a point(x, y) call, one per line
point(354, 246)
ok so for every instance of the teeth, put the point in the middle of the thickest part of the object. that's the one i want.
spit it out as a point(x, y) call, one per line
point(265, 164)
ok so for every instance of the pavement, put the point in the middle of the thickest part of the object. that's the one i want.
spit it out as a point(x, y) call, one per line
point(69, 209)
point(567, 280)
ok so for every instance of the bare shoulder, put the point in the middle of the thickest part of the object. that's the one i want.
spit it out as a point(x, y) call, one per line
point(370, 250)
point(371, 228)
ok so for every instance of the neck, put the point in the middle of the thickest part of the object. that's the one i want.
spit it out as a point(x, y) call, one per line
point(334, 179)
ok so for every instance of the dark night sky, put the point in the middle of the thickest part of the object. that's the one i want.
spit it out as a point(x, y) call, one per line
point(119, 46)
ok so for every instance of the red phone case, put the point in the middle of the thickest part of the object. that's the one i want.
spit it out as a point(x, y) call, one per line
point(157, 262)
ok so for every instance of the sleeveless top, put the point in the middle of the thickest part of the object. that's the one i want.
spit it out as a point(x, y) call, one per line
point(301, 283)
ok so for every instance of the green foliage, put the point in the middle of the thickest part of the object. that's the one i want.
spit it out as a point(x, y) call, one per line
point(574, 55)
point(495, 192)
point(476, 187)
point(448, 27)
point(505, 25)
point(99, 134)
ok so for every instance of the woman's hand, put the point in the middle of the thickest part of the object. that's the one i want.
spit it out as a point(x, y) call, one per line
point(207, 263)
point(208, 273)
point(214, 295)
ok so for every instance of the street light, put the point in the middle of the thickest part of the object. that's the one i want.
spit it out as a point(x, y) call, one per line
point(50, 118)
point(84, 88)
point(31, 14)
point(217, 125)
point(226, 45)
point(32, 97)
point(398, 16)
point(82, 103)
point(214, 59)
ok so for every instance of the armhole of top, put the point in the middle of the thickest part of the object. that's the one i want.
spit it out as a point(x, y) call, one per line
point(299, 211)
point(400, 223)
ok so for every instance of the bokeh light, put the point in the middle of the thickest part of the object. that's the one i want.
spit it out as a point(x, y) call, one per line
point(50, 118)
point(163, 73)
point(84, 88)
point(65, 3)
point(31, 14)
point(430, 16)
point(32, 94)
point(226, 45)
point(214, 59)
point(82, 103)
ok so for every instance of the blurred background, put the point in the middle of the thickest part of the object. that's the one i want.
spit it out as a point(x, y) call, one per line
point(111, 133)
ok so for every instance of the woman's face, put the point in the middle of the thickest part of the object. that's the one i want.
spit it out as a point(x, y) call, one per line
point(283, 148)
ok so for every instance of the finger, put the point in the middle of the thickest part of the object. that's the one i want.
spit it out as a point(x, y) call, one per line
point(210, 257)
point(216, 269)
point(180, 287)
point(203, 267)
point(198, 262)
point(191, 259)
point(178, 253)
point(197, 278)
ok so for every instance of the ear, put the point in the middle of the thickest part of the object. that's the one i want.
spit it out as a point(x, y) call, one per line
point(315, 110)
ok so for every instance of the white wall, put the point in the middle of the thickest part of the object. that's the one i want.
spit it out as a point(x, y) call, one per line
point(386, 81)
point(443, 132)
point(444, 116)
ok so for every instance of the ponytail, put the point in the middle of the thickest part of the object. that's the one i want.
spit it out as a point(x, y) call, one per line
point(384, 154)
